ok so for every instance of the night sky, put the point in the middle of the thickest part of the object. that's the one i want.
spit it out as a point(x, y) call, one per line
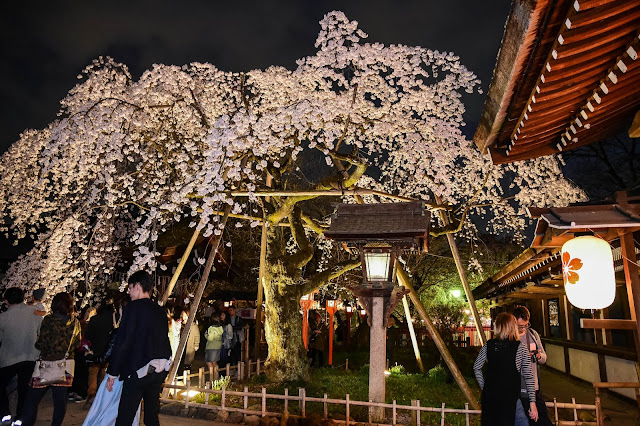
point(45, 45)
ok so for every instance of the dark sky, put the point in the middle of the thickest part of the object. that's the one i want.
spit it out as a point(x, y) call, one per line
point(45, 45)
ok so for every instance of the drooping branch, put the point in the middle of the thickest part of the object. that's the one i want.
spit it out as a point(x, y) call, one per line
point(334, 272)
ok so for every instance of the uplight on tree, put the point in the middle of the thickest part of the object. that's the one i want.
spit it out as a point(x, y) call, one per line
point(588, 274)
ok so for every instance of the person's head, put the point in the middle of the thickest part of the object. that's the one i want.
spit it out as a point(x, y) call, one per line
point(90, 312)
point(223, 316)
point(14, 295)
point(140, 285)
point(505, 327)
point(232, 311)
point(62, 303)
point(522, 318)
point(217, 319)
point(38, 294)
point(184, 315)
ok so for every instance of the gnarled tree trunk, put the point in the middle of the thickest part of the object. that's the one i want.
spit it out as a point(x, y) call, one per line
point(287, 358)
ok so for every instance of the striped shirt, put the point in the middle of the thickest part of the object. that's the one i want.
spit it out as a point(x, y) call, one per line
point(523, 365)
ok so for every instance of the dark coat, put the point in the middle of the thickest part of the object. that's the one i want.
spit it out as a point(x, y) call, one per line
point(99, 331)
point(143, 336)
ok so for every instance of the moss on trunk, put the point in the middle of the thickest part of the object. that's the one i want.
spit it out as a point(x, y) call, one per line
point(287, 358)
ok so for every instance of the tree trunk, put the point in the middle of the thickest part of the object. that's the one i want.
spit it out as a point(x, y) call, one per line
point(287, 358)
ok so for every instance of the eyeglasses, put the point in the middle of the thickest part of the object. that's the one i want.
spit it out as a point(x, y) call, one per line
point(523, 327)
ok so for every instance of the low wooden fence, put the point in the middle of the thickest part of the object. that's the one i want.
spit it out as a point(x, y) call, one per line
point(612, 385)
point(301, 400)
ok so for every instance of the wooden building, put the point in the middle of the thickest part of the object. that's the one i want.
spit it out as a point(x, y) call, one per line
point(568, 75)
point(534, 280)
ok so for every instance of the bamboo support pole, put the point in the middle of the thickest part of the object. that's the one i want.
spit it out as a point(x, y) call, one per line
point(404, 280)
point(412, 333)
point(261, 271)
point(335, 192)
point(183, 260)
point(196, 301)
point(463, 275)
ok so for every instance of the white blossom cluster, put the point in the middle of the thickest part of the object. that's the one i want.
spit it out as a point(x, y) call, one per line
point(126, 159)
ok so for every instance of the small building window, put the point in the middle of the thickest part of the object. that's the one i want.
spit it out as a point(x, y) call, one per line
point(554, 318)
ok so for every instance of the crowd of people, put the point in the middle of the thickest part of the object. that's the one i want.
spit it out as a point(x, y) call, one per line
point(119, 355)
point(114, 356)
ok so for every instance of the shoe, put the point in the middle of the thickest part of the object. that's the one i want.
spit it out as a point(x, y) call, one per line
point(71, 396)
point(78, 399)
point(17, 423)
point(6, 420)
point(87, 405)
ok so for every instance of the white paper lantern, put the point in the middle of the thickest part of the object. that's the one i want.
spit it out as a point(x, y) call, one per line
point(588, 274)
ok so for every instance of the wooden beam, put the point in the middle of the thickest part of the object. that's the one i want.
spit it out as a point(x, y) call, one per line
point(183, 260)
point(608, 324)
point(634, 130)
point(404, 280)
point(204, 280)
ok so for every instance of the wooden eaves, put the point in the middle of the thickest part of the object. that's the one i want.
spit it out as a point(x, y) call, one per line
point(567, 75)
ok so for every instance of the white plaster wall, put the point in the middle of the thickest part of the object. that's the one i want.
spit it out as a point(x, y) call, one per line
point(621, 370)
point(555, 356)
point(584, 365)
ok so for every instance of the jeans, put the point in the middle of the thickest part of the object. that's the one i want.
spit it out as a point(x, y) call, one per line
point(134, 389)
point(522, 417)
point(23, 370)
point(543, 414)
point(59, 395)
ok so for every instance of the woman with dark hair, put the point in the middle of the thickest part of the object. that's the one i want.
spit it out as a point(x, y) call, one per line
point(59, 336)
point(506, 359)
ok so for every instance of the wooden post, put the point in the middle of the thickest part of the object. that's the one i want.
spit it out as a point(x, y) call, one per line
point(245, 399)
point(412, 333)
point(183, 260)
point(347, 410)
point(196, 301)
point(463, 275)
point(599, 416)
point(403, 279)
point(261, 272)
point(286, 400)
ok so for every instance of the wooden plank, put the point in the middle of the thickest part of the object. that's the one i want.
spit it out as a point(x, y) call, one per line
point(608, 324)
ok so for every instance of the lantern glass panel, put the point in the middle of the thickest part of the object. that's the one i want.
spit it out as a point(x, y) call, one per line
point(377, 266)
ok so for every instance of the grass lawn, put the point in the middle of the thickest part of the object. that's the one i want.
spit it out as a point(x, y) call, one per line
point(431, 389)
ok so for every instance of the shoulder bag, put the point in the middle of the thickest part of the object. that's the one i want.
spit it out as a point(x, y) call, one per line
point(58, 372)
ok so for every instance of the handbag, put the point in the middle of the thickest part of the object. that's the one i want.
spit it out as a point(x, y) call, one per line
point(58, 372)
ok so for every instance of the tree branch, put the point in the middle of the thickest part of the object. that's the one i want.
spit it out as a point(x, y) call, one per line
point(325, 276)
point(300, 258)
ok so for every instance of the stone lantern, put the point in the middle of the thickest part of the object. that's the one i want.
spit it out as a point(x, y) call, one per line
point(379, 232)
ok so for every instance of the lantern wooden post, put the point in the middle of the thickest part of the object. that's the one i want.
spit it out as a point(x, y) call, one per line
point(331, 310)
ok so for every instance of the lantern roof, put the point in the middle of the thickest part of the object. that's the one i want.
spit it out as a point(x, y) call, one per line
point(403, 224)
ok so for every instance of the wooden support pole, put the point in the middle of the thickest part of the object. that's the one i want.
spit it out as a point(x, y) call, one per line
point(463, 275)
point(196, 301)
point(404, 280)
point(261, 271)
point(183, 260)
point(631, 275)
point(412, 333)
point(328, 192)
